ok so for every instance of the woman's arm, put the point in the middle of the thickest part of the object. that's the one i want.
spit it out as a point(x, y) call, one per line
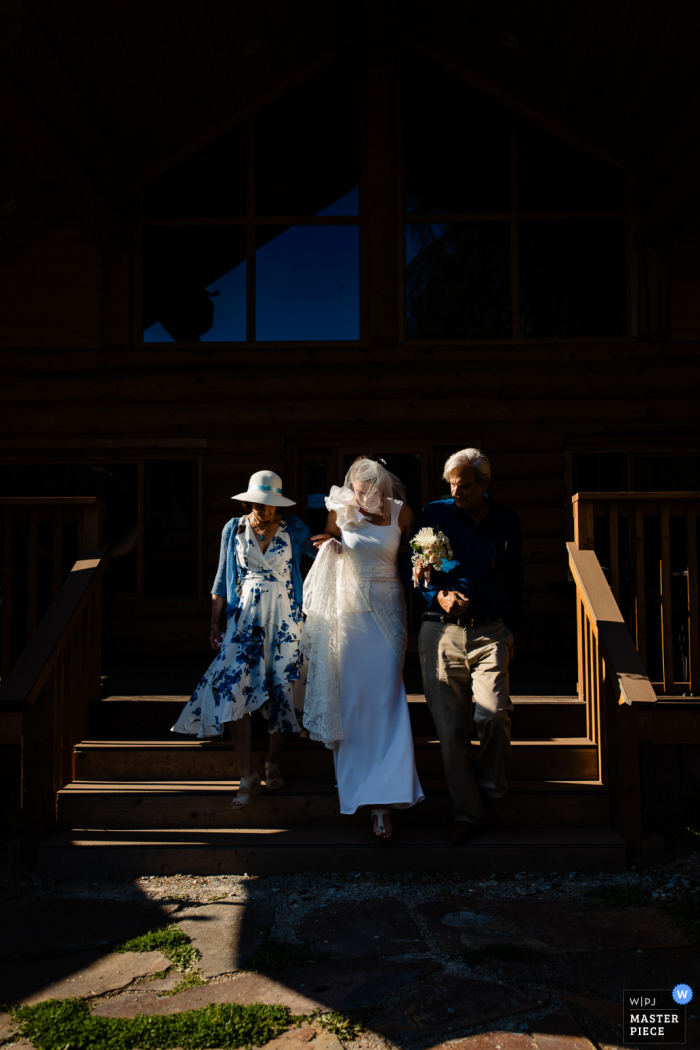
point(407, 524)
point(332, 530)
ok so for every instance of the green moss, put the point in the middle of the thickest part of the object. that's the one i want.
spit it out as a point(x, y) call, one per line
point(345, 1026)
point(170, 940)
point(619, 896)
point(68, 1025)
point(505, 951)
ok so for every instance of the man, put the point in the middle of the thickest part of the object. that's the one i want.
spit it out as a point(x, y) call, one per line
point(466, 637)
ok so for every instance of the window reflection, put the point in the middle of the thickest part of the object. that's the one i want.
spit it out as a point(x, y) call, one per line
point(307, 282)
point(572, 277)
point(194, 283)
point(458, 280)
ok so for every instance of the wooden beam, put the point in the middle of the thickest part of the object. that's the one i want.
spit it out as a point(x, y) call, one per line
point(37, 145)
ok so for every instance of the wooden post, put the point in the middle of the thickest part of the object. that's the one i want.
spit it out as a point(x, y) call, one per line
point(584, 527)
point(32, 573)
point(91, 535)
point(666, 599)
point(614, 550)
point(7, 580)
point(640, 583)
point(693, 611)
point(624, 770)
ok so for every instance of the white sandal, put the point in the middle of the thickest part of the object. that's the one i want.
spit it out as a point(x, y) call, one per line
point(252, 786)
point(274, 781)
point(380, 812)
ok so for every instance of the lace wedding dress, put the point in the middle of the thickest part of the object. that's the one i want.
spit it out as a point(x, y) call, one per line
point(355, 639)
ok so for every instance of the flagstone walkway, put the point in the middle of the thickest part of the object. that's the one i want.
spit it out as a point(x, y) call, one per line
point(503, 963)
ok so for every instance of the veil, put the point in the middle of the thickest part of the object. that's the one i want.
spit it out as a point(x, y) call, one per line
point(370, 482)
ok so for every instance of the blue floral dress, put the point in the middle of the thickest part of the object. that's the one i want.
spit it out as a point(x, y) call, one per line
point(259, 659)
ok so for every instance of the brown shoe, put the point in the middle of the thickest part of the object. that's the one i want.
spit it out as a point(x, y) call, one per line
point(462, 830)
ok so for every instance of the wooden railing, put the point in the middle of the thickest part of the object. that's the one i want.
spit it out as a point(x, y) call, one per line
point(50, 688)
point(648, 543)
point(41, 538)
point(611, 679)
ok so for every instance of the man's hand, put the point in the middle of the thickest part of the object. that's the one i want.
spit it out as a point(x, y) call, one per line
point(454, 603)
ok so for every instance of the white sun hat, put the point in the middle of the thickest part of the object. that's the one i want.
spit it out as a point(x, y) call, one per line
point(265, 487)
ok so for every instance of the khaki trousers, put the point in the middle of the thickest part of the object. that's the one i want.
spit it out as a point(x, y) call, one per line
point(456, 663)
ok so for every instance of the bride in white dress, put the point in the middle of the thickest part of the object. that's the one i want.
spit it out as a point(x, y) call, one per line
point(355, 639)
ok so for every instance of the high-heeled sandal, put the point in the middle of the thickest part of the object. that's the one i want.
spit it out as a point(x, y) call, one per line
point(380, 812)
point(274, 781)
point(252, 786)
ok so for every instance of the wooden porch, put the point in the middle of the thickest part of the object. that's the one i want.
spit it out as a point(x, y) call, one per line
point(99, 800)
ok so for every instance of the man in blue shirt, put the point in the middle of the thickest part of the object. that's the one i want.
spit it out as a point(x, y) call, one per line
point(466, 638)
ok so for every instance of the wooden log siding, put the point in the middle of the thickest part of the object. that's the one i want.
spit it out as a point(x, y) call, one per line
point(50, 294)
point(634, 508)
point(526, 404)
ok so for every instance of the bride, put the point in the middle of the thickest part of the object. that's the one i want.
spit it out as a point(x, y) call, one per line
point(355, 640)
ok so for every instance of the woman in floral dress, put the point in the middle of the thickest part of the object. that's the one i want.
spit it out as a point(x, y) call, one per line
point(259, 585)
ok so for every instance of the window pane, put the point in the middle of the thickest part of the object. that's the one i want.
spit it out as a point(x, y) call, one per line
point(458, 280)
point(209, 184)
point(307, 282)
point(456, 144)
point(554, 176)
point(171, 560)
point(306, 146)
point(667, 473)
point(572, 277)
point(599, 471)
point(194, 283)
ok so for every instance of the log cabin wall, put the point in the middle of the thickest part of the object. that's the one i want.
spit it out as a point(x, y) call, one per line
point(80, 387)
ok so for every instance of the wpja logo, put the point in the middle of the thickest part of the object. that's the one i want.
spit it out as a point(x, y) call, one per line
point(656, 1015)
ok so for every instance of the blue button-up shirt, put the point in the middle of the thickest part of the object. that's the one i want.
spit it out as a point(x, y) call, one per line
point(490, 569)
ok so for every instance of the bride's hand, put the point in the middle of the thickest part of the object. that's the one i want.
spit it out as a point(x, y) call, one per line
point(322, 538)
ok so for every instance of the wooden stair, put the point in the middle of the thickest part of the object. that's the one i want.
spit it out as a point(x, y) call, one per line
point(161, 805)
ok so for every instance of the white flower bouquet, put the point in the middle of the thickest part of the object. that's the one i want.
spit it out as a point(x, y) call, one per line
point(431, 550)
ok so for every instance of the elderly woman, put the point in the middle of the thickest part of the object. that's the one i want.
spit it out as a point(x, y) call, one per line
point(259, 585)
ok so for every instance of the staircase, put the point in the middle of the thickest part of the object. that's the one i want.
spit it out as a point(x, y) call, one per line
point(160, 804)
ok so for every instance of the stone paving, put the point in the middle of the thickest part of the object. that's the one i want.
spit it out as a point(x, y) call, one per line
point(526, 962)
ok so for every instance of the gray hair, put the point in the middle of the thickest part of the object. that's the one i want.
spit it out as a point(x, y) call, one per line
point(472, 457)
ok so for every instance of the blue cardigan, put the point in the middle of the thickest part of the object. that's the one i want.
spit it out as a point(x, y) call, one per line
point(227, 573)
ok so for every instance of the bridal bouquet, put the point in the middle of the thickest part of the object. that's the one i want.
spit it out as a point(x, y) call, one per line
point(431, 550)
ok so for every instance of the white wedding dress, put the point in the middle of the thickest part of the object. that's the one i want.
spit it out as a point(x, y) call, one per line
point(374, 760)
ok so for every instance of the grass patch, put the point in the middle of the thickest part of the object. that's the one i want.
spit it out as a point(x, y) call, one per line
point(67, 1024)
point(505, 952)
point(170, 940)
point(192, 979)
point(620, 896)
point(685, 914)
point(345, 1026)
point(280, 955)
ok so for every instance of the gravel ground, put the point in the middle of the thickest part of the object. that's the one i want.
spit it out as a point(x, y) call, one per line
point(301, 894)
